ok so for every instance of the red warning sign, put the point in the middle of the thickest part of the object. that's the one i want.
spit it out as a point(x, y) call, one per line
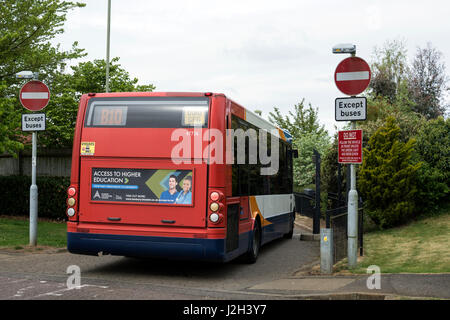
point(350, 146)
point(34, 95)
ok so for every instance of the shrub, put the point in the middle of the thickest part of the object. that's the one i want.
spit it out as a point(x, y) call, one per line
point(304, 166)
point(15, 196)
point(387, 179)
point(433, 148)
point(329, 174)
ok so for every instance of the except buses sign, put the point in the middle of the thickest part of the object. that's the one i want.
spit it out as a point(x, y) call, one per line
point(350, 146)
point(350, 109)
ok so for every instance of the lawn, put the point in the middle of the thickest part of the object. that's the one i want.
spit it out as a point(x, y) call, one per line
point(14, 233)
point(422, 246)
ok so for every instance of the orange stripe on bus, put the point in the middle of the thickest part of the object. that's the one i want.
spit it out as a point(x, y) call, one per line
point(254, 210)
point(282, 136)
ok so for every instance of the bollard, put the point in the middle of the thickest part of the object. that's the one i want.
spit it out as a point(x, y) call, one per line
point(326, 251)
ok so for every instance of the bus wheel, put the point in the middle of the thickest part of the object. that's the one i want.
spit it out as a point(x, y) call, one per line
point(252, 254)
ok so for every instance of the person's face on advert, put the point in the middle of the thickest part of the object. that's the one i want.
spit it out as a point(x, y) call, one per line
point(172, 183)
point(186, 185)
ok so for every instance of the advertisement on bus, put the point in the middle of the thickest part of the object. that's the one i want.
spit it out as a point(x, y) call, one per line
point(161, 186)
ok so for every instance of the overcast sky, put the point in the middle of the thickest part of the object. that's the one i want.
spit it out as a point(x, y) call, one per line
point(262, 54)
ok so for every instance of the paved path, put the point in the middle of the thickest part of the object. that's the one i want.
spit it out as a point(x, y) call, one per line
point(391, 286)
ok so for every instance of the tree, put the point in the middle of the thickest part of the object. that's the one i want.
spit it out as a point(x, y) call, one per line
point(427, 82)
point(389, 70)
point(379, 109)
point(304, 120)
point(66, 93)
point(387, 178)
point(329, 169)
point(307, 135)
point(26, 28)
point(433, 149)
point(304, 167)
point(9, 123)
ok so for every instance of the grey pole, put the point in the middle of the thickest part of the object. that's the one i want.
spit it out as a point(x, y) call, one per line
point(33, 188)
point(352, 218)
point(352, 200)
point(108, 32)
point(33, 194)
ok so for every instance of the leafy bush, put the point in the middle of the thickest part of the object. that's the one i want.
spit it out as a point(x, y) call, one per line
point(387, 179)
point(433, 148)
point(329, 175)
point(15, 199)
point(304, 166)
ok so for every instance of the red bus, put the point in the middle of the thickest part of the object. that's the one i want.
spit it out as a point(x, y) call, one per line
point(143, 183)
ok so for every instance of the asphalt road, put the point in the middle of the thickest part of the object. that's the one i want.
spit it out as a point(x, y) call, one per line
point(36, 276)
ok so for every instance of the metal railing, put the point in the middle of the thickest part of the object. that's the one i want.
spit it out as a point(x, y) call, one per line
point(337, 220)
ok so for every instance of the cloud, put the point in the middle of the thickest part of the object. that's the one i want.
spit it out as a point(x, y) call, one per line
point(259, 52)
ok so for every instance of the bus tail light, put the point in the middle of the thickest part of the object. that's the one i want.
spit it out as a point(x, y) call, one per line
point(72, 202)
point(71, 212)
point(216, 207)
point(71, 191)
point(216, 218)
point(214, 196)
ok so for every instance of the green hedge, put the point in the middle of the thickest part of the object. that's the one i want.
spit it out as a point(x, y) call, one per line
point(52, 196)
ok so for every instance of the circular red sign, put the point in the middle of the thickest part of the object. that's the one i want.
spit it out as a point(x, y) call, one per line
point(352, 76)
point(34, 95)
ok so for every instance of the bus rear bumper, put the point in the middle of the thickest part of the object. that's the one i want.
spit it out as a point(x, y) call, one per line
point(148, 247)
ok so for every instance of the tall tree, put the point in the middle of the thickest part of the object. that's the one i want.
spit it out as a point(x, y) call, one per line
point(389, 70)
point(427, 81)
point(307, 135)
point(302, 120)
point(387, 177)
point(26, 28)
point(66, 92)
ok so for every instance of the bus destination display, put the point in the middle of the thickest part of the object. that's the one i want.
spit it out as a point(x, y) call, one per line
point(110, 115)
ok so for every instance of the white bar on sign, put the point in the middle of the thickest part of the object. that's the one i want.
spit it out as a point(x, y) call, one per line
point(34, 95)
point(348, 76)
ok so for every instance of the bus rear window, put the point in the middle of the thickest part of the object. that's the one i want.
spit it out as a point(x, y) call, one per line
point(149, 112)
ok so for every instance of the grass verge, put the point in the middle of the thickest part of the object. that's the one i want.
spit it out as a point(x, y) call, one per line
point(14, 233)
point(422, 246)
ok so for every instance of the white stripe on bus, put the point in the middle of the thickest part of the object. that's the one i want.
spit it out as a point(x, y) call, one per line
point(275, 204)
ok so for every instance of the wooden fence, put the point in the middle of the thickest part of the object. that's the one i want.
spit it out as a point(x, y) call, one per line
point(50, 162)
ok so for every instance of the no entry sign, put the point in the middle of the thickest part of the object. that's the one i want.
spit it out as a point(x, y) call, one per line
point(350, 146)
point(352, 76)
point(34, 95)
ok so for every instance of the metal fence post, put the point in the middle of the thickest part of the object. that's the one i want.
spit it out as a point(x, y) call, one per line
point(316, 220)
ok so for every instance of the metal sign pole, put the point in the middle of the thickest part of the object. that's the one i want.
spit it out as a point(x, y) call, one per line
point(352, 217)
point(33, 96)
point(33, 194)
point(34, 187)
point(352, 77)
